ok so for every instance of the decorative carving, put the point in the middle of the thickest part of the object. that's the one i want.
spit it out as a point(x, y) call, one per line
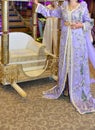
point(8, 73)
point(53, 65)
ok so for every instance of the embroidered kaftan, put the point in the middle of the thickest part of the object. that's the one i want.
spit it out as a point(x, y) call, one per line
point(73, 57)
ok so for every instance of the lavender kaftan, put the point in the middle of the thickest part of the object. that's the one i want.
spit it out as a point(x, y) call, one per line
point(73, 57)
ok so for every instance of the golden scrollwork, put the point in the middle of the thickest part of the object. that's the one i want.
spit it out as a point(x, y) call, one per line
point(8, 73)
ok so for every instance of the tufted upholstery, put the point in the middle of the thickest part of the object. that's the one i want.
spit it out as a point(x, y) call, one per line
point(24, 49)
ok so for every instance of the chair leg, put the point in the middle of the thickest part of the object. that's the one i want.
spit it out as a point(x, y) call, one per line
point(19, 89)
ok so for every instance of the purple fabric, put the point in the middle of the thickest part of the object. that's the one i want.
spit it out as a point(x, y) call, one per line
point(75, 48)
point(91, 50)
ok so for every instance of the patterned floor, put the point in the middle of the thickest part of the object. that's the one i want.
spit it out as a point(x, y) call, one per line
point(36, 113)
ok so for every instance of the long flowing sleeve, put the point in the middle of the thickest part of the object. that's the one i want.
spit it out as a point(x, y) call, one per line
point(88, 24)
point(49, 12)
point(87, 21)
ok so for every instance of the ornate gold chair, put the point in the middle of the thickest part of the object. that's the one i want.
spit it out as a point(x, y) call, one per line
point(22, 58)
point(28, 60)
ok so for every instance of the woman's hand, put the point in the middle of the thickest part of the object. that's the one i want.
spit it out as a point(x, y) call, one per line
point(76, 25)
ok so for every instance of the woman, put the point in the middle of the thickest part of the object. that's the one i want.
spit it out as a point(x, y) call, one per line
point(73, 57)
